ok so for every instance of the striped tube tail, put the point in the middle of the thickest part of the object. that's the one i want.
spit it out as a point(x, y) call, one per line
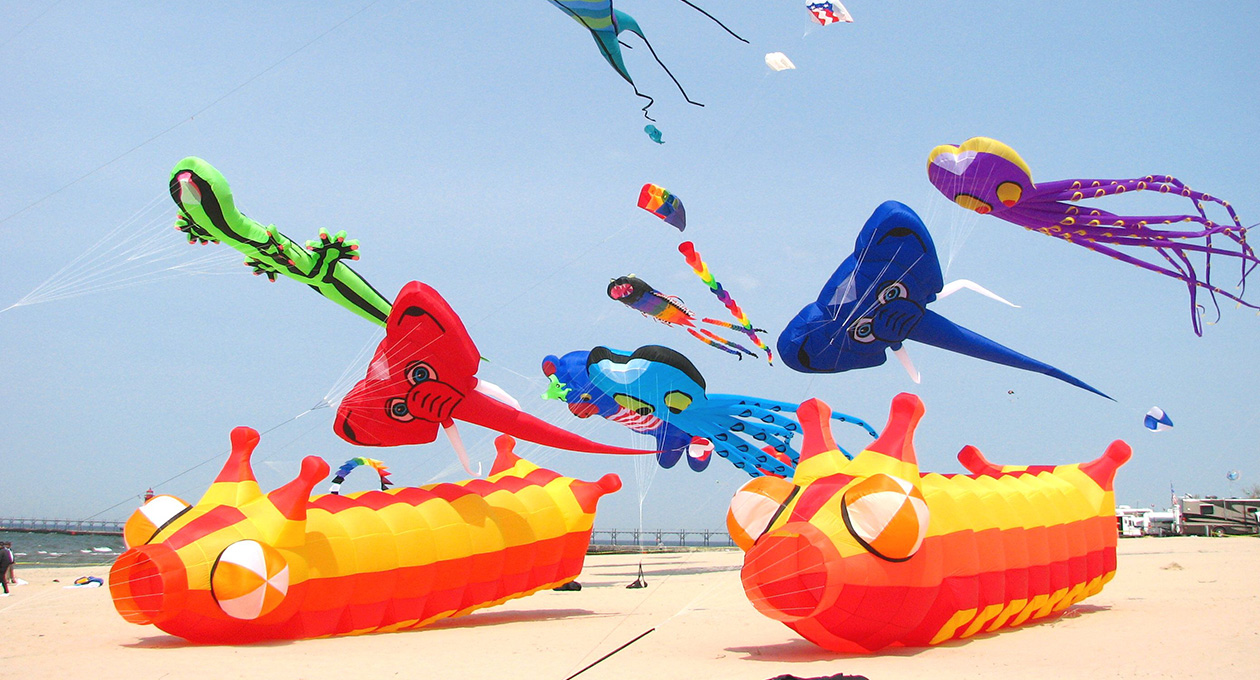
point(688, 249)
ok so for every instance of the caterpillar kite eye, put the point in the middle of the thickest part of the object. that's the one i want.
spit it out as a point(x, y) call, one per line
point(754, 508)
point(150, 518)
point(249, 580)
point(887, 515)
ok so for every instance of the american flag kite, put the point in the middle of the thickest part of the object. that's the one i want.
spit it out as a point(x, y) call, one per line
point(827, 13)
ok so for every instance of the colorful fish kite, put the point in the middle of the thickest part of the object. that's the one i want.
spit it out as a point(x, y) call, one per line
point(637, 294)
point(606, 25)
point(654, 133)
point(659, 392)
point(1156, 420)
point(827, 13)
point(878, 298)
point(347, 467)
point(570, 383)
point(658, 201)
point(987, 176)
point(702, 270)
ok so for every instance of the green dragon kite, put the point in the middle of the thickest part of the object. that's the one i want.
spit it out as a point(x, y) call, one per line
point(208, 214)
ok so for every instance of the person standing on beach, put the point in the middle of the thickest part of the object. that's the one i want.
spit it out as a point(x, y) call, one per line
point(6, 565)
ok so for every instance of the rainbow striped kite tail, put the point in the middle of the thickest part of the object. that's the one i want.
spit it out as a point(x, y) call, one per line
point(719, 344)
point(750, 332)
point(736, 327)
point(740, 349)
point(715, 340)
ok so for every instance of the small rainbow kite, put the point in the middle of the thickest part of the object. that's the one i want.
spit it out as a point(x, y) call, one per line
point(658, 201)
point(346, 467)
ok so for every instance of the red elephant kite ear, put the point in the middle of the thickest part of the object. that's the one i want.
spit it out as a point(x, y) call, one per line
point(423, 376)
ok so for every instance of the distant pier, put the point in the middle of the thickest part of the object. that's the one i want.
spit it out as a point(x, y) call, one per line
point(608, 537)
point(71, 527)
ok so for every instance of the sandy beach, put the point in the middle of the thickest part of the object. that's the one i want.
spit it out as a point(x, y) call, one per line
point(1178, 608)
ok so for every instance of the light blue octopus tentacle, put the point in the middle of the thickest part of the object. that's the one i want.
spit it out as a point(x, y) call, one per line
point(740, 447)
point(784, 406)
point(747, 461)
point(761, 431)
point(764, 432)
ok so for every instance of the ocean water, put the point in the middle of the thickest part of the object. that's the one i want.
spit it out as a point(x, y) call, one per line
point(50, 550)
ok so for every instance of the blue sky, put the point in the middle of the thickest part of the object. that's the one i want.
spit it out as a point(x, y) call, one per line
point(495, 156)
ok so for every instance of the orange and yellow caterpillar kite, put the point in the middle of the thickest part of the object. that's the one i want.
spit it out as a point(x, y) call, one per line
point(862, 554)
point(241, 566)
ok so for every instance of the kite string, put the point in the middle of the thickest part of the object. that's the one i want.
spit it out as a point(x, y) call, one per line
point(715, 20)
point(216, 456)
point(198, 112)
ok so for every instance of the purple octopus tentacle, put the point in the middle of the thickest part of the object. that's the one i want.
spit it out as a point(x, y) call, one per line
point(1082, 189)
point(1102, 244)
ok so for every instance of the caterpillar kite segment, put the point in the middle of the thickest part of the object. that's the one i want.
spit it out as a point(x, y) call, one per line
point(243, 566)
point(863, 554)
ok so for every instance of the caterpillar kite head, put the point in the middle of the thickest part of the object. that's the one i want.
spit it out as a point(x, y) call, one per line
point(836, 515)
point(981, 174)
point(230, 557)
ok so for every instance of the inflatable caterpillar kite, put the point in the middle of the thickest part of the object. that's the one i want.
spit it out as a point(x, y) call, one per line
point(859, 555)
point(241, 566)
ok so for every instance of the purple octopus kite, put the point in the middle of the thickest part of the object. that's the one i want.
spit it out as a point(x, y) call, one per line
point(987, 176)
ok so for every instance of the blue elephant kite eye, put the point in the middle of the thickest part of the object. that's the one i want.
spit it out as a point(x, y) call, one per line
point(892, 292)
point(863, 330)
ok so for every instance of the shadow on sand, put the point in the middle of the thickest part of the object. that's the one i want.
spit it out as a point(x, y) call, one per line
point(802, 651)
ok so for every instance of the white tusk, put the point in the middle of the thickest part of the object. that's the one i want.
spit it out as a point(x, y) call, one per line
point(452, 433)
point(497, 393)
point(955, 286)
point(904, 357)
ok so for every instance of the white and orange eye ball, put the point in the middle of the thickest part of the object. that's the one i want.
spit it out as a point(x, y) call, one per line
point(249, 580)
point(754, 507)
point(149, 518)
point(887, 515)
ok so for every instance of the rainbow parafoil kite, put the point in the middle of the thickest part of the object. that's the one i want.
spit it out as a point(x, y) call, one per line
point(242, 566)
point(347, 467)
point(658, 201)
point(856, 555)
